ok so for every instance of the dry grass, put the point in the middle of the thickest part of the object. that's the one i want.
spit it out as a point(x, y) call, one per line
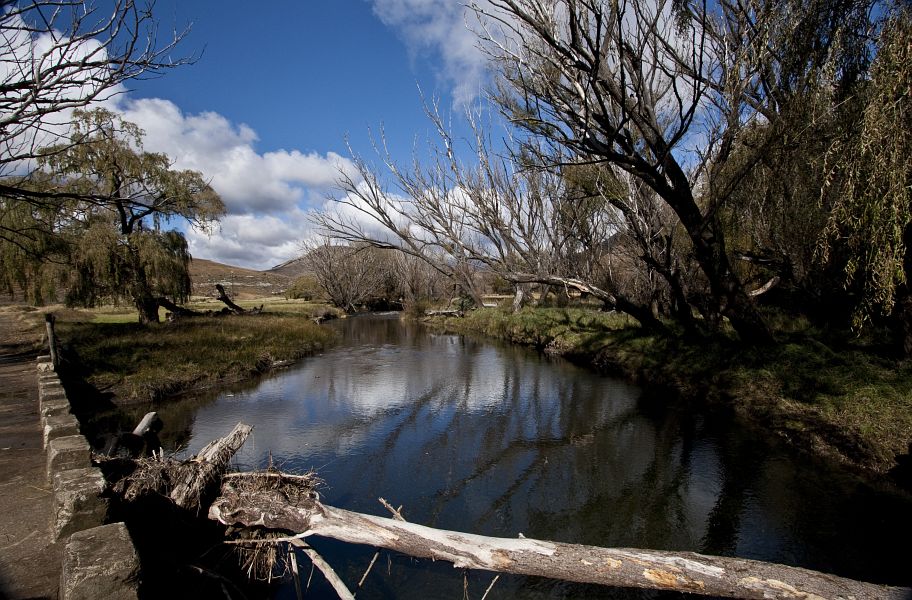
point(142, 363)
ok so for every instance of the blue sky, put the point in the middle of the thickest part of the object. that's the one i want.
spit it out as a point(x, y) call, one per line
point(266, 110)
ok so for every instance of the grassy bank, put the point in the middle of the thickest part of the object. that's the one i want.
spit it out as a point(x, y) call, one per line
point(844, 398)
point(138, 363)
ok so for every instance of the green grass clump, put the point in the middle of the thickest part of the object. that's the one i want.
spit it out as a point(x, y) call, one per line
point(558, 329)
point(139, 363)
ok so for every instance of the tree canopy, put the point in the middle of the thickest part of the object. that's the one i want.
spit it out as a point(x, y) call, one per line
point(100, 233)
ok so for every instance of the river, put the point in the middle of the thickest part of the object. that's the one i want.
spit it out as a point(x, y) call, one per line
point(482, 437)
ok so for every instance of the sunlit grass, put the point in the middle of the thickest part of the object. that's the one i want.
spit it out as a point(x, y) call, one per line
point(115, 353)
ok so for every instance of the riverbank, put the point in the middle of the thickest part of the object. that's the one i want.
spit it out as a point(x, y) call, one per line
point(132, 363)
point(149, 363)
point(844, 399)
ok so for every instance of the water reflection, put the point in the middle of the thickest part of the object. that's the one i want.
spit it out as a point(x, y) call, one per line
point(473, 436)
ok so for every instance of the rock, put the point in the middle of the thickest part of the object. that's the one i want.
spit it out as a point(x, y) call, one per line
point(52, 390)
point(100, 563)
point(59, 426)
point(68, 452)
point(44, 364)
point(78, 503)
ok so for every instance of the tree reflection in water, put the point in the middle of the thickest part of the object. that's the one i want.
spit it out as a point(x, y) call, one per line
point(475, 436)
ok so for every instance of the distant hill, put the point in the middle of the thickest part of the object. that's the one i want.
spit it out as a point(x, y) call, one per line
point(238, 281)
point(293, 268)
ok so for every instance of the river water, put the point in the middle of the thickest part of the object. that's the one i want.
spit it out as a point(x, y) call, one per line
point(476, 436)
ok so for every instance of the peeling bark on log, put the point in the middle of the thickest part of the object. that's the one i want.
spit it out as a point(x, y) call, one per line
point(681, 571)
point(205, 467)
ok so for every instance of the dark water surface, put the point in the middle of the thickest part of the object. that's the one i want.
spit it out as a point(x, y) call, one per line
point(497, 440)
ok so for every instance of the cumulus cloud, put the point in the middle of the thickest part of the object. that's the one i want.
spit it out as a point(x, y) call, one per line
point(447, 29)
point(249, 182)
point(253, 241)
point(266, 194)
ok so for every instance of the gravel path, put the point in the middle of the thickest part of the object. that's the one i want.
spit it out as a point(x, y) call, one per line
point(29, 562)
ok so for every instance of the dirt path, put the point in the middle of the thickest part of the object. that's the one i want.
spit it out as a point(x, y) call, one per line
point(29, 562)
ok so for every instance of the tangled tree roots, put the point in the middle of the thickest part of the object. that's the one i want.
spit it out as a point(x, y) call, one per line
point(261, 556)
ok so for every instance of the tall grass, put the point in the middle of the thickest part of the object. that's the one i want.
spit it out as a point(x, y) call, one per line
point(141, 363)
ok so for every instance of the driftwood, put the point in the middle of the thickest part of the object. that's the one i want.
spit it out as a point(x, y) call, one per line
point(238, 310)
point(445, 313)
point(279, 509)
point(184, 482)
point(201, 470)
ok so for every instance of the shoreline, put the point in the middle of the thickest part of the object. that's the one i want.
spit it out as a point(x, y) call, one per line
point(721, 376)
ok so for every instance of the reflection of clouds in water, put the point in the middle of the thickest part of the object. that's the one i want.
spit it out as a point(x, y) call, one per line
point(496, 440)
point(342, 402)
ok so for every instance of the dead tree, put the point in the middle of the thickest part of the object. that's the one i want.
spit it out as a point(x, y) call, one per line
point(223, 297)
point(287, 508)
point(184, 482)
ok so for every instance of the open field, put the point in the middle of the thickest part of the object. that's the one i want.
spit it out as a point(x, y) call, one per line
point(115, 354)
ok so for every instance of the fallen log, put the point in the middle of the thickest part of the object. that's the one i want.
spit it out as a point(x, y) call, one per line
point(179, 311)
point(282, 508)
point(445, 313)
point(184, 482)
point(201, 470)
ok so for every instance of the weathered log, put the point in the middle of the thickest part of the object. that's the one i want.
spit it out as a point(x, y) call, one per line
point(150, 423)
point(624, 567)
point(201, 470)
point(223, 297)
point(331, 577)
point(179, 311)
point(445, 313)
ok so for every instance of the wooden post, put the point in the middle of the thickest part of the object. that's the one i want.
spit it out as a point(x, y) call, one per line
point(52, 338)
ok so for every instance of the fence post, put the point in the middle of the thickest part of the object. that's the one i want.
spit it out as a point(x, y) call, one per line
point(52, 338)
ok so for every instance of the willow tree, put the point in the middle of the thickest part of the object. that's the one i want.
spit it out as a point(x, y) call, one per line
point(870, 183)
point(114, 201)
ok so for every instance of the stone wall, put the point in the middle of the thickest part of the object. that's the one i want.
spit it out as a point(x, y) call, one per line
point(100, 560)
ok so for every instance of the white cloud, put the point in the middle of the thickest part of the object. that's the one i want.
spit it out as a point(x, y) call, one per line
point(252, 241)
point(266, 194)
point(446, 29)
point(249, 182)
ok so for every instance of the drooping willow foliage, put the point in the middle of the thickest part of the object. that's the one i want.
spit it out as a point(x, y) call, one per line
point(96, 232)
point(870, 178)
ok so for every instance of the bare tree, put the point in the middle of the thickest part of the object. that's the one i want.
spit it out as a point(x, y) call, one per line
point(348, 274)
point(525, 225)
point(636, 83)
point(59, 55)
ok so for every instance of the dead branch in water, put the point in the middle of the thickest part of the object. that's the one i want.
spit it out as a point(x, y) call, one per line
point(184, 482)
point(280, 507)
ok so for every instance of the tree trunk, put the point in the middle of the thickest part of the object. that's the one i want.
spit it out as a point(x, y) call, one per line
point(205, 468)
point(228, 302)
point(727, 290)
point(178, 310)
point(147, 306)
point(681, 571)
point(708, 239)
point(520, 293)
